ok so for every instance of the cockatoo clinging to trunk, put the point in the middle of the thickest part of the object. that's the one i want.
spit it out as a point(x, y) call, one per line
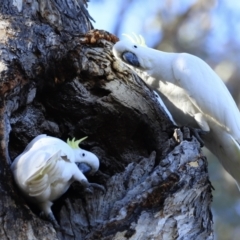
point(48, 166)
point(197, 96)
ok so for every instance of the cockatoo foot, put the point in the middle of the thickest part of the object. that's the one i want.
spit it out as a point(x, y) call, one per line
point(88, 186)
point(100, 187)
point(50, 217)
point(197, 133)
point(94, 185)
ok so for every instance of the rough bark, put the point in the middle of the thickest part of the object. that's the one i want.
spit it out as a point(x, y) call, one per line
point(55, 81)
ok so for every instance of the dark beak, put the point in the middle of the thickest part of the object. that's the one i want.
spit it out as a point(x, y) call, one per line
point(84, 168)
point(131, 59)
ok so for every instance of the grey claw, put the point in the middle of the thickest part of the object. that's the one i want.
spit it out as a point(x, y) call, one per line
point(88, 190)
point(100, 187)
point(50, 217)
point(196, 133)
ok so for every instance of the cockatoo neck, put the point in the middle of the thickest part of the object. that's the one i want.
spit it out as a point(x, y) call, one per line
point(164, 62)
point(147, 70)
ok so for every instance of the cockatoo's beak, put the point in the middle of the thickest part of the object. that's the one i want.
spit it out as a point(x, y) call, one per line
point(84, 168)
point(131, 59)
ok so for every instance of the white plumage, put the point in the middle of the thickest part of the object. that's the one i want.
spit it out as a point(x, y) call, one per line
point(48, 166)
point(195, 96)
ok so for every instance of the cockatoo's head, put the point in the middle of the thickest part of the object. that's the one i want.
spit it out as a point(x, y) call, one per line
point(134, 52)
point(86, 161)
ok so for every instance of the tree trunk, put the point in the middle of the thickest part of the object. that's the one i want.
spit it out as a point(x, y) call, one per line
point(59, 81)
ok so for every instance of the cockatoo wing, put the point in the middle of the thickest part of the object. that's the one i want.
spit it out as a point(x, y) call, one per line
point(46, 144)
point(49, 143)
point(39, 181)
point(35, 142)
point(195, 76)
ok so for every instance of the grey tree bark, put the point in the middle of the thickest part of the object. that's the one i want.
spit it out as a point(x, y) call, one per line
point(59, 81)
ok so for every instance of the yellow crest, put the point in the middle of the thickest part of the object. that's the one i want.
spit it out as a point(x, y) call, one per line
point(74, 143)
point(137, 39)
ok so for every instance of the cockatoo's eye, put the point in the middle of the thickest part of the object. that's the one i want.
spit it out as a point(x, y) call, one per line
point(83, 154)
point(135, 46)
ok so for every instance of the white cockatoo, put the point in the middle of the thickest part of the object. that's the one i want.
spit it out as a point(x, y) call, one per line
point(195, 95)
point(47, 168)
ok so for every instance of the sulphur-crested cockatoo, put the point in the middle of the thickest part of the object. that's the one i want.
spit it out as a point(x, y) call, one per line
point(48, 166)
point(197, 97)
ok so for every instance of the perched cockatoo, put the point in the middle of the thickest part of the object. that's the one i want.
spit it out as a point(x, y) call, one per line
point(197, 97)
point(47, 168)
